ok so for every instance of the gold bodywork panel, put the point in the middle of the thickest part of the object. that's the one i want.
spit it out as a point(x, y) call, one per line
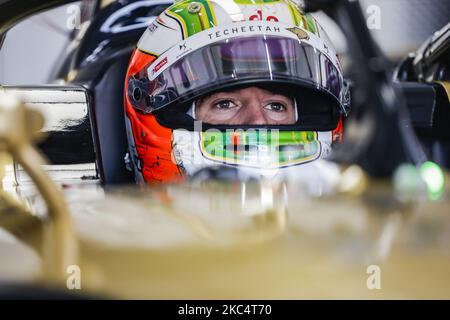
point(158, 244)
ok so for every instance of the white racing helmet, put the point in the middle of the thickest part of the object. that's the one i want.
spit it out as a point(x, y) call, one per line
point(197, 48)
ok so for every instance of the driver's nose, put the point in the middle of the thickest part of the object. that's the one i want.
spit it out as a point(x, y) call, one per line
point(253, 114)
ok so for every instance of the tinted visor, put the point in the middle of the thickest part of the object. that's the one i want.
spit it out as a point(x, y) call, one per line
point(245, 60)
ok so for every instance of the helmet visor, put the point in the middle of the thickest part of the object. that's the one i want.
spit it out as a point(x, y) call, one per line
point(232, 62)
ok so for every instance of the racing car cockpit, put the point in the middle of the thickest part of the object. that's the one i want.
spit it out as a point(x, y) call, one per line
point(97, 62)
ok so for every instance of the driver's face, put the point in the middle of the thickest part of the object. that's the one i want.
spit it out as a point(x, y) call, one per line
point(249, 106)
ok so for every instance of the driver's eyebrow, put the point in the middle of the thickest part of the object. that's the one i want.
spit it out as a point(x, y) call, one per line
point(217, 94)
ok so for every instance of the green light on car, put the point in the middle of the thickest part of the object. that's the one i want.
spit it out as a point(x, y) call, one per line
point(433, 176)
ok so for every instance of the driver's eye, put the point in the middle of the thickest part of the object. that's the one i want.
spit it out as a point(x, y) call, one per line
point(225, 104)
point(276, 107)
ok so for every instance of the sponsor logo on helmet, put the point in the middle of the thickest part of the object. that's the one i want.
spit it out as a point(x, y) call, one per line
point(183, 46)
point(301, 34)
point(161, 64)
point(243, 29)
point(152, 27)
point(259, 17)
point(184, 49)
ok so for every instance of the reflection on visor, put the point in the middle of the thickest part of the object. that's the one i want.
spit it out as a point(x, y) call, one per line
point(248, 54)
point(252, 59)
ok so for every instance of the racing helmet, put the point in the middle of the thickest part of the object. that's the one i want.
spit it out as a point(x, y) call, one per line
point(197, 48)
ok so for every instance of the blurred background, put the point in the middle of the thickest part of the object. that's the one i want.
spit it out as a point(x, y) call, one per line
point(33, 46)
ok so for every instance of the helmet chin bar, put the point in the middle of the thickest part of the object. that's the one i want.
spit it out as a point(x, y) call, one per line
point(256, 153)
